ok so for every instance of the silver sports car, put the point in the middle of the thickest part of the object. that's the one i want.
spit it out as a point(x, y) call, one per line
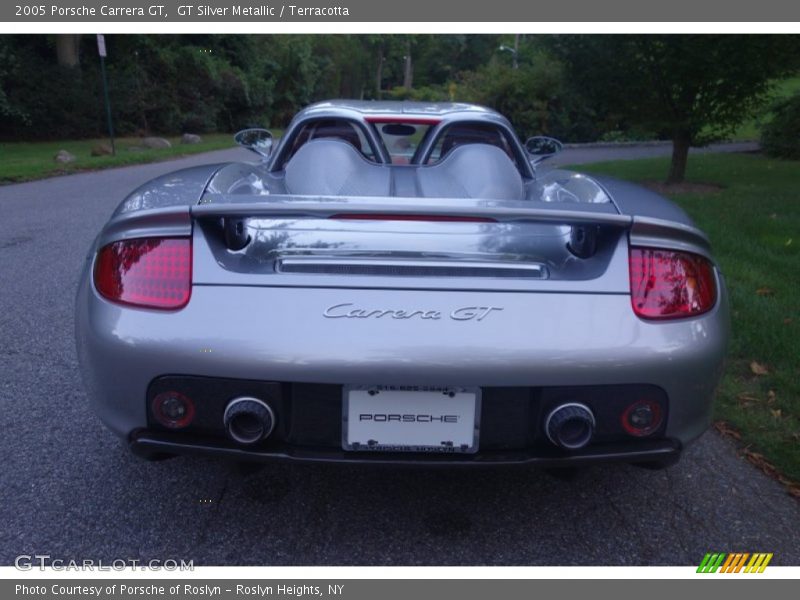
point(401, 282)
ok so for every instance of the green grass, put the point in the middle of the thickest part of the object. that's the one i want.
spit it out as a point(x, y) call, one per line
point(754, 226)
point(25, 161)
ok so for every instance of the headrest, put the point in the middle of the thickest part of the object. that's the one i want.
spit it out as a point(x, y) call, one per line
point(331, 167)
point(473, 171)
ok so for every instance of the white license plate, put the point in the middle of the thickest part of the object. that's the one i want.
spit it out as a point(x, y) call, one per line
point(410, 419)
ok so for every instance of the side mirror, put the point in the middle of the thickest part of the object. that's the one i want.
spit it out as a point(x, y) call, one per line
point(541, 147)
point(256, 139)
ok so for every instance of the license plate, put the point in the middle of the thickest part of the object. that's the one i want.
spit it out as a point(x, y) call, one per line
point(410, 419)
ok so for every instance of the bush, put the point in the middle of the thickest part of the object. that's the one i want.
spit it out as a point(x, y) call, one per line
point(780, 137)
point(431, 93)
point(536, 96)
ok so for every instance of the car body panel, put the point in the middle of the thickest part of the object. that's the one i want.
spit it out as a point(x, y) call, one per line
point(537, 339)
point(401, 288)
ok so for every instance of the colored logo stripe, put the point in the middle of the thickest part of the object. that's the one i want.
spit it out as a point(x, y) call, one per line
point(733, 563)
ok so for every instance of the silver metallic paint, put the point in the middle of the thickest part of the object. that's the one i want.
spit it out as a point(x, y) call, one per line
point(259, 326)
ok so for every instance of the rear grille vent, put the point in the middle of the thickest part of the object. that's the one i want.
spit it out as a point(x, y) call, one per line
point(410, 268)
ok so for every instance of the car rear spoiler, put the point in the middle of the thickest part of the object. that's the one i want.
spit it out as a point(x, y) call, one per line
point(327, 206)
point(584, 218)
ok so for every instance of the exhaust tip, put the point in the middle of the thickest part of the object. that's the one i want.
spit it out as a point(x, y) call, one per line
point(570, 426)
point(248, 420)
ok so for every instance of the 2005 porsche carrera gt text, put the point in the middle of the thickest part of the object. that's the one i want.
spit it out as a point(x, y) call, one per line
point(401, 282)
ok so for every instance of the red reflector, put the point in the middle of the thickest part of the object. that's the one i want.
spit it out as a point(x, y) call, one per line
point(404, 217)
point(666, 284)
point(173, 409)
point(404, 120)
point(642, 418)
point(151, 272)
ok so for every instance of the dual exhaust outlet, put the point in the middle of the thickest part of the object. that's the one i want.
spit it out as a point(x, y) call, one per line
point(249, 420)
point(570, 426)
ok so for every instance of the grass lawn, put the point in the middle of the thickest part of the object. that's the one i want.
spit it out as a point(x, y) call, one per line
point(24, 161)
point(754, 225)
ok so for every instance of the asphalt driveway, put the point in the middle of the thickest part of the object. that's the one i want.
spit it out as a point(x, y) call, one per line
point(68, 488)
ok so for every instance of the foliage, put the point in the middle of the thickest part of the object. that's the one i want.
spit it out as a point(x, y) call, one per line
point(535, 96)
point(433, 93)
point(781, 136)
point(577, 88)
point(693, 89)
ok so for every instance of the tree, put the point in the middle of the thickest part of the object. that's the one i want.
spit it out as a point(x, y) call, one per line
point(408, 65)
point(68, 50)
point(692, 89)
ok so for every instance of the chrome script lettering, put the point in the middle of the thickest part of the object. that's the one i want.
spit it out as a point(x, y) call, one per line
point(348, 310)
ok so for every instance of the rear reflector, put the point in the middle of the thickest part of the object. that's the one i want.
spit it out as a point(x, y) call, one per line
point(405, 217)
point(173, 409)
point(666, 284)
point(148, 272)
point(642, 418)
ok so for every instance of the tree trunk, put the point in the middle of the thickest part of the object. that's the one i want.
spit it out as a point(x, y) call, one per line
point(67, 46)
point(379, 75)
point(408, 72)
point(680, 156)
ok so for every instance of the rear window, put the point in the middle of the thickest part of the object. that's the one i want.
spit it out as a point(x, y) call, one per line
point(402, 138)
point(338, 129)
point(461, 134)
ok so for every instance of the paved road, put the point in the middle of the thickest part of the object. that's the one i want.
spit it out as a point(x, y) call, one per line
point(578, 155)
point(68, 488)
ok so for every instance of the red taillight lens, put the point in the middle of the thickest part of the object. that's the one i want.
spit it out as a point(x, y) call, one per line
point(150, 272)
point(666, 284)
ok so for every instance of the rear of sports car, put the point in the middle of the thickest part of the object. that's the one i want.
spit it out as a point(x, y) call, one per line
point(436, 331)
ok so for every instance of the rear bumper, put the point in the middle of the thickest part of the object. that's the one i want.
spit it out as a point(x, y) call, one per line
point(281, 334)
point(152, 444)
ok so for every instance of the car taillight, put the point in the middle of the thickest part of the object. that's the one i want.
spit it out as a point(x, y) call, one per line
point(666, 284)
point(149, 272)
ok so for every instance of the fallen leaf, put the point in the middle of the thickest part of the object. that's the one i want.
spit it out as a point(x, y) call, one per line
point(727, 430)
point(776, 412)
point(762, 463)
point(770, 396)
point(758, 369)
point(765, 291)
point(745, 400)
point(759, 461)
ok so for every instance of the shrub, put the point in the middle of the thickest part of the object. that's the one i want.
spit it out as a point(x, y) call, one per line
point(780, 137)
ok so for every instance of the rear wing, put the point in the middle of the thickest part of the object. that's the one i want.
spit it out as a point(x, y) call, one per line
point(327, 206)
point(584, 218)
